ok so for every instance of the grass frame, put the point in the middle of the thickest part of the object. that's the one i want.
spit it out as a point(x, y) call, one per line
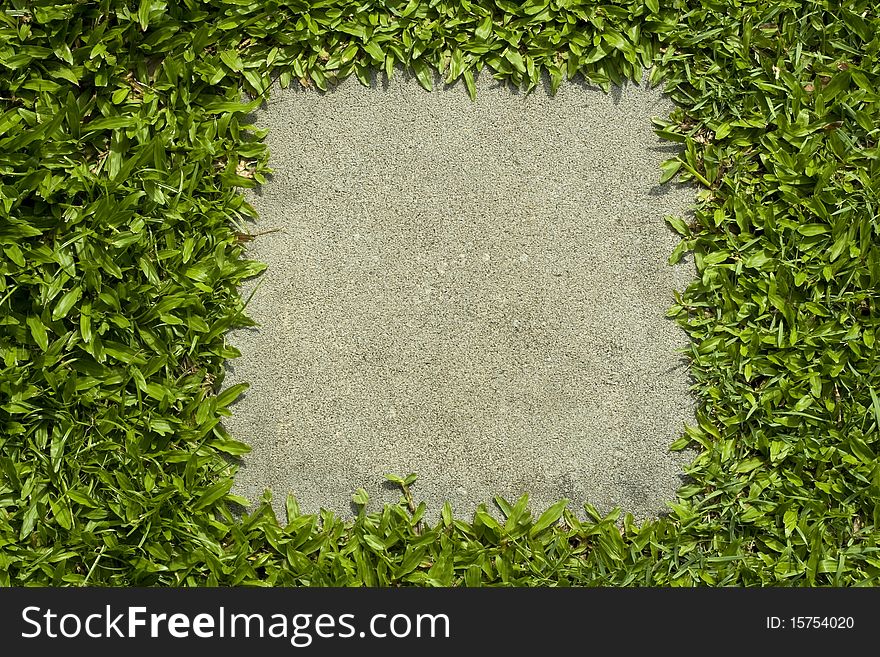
point(123, 144)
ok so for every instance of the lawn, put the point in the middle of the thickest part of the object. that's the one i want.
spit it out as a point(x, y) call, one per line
point(123, 147)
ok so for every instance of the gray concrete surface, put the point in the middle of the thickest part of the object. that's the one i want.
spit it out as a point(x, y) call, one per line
point(474, 292)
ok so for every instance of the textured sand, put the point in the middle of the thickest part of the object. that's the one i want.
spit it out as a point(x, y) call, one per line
point(471, 291)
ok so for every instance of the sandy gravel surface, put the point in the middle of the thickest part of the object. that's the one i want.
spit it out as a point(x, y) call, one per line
point(471, 291)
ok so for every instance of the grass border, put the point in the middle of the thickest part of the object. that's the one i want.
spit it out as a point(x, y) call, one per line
point(123, 143)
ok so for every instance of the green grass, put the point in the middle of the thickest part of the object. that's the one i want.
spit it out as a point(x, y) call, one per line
point(123, 143)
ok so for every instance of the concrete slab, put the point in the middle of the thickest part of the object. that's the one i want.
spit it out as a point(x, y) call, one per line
point(471, 291)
